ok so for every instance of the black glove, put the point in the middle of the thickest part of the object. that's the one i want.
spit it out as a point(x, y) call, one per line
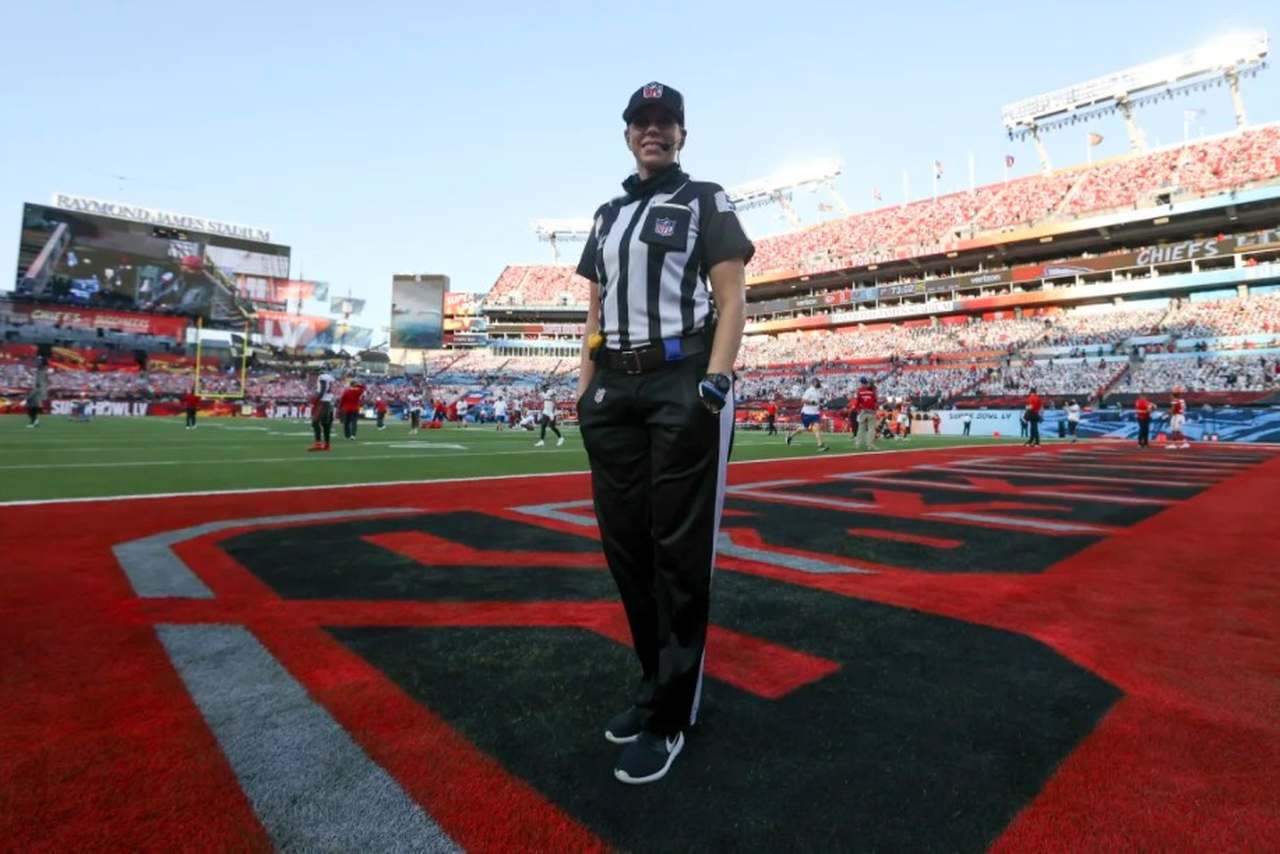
point(713, 391)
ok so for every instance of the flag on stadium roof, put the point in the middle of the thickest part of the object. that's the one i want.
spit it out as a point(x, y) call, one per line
point(937, 168)
point(1095, 138)
point(1008, 161)
point(875, 193)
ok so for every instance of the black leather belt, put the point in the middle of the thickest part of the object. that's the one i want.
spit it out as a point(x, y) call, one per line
point(654, 357)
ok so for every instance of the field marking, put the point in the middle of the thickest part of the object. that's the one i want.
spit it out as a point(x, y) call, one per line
point(33, 502)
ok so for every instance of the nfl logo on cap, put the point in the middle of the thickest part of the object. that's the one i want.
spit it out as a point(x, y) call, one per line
point(653, 90)
point(664, 227)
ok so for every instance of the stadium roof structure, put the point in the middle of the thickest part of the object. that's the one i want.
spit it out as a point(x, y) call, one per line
point(774, 189)
point(1222, 61)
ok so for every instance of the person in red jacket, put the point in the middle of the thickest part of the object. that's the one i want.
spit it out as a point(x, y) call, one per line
point(191, 402)
point(1034, 407)
point(771, 419)
point(937, 424)
point(1142, 408)
point(380, 409)
point(865, 404)
point(349, 409)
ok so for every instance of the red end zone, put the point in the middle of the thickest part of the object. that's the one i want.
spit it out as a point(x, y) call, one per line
point(103, 744)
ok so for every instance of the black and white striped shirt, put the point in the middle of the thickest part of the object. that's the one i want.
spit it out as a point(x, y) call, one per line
point(650, 252)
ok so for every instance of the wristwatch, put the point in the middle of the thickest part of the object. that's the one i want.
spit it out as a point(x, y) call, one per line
point(720, 381)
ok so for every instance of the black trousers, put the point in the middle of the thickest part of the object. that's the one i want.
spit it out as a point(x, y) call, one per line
point(771, 426)
point(322, 421)
point(382, 416)
point(1144, 432)
point(547, 421)
point(349, 422)
point(657, 476)
point(1033, 425)
point(191, 416)
point(33, 414)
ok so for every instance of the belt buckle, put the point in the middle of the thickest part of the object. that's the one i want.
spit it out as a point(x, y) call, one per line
point(630, 360)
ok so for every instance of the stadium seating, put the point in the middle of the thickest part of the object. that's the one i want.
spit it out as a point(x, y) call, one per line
point(1229, 162)
point(538, 285)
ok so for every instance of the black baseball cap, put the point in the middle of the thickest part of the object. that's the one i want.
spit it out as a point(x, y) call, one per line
point(659, 94)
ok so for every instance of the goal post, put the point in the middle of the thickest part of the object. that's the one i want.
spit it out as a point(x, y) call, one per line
point(244, 365)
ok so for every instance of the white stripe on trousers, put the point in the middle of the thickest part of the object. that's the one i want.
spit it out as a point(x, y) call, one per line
point(722, 465)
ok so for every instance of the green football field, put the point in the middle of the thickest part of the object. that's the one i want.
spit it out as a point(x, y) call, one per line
point(133, 456)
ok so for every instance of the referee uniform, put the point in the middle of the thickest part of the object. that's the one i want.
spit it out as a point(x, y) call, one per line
point(656, 444)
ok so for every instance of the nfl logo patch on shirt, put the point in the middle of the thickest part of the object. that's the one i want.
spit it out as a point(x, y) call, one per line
point(664, 226)
point(599, 398)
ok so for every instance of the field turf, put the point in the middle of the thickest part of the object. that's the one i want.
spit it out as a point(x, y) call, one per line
point(136, 456)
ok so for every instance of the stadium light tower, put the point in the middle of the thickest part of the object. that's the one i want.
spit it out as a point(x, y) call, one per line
point(776, 189)
point(554, 230)
point(1223, 61)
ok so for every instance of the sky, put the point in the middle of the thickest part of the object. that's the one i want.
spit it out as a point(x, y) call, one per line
point(425, 138)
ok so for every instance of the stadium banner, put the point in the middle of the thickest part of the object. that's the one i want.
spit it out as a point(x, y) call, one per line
point(973, 280)
point(1228, 423)
point(346, 305)
point(294, 331)
point(461, 302)
point(73, 317)
point(417, 310)
point(902, 289)
point(983, 422)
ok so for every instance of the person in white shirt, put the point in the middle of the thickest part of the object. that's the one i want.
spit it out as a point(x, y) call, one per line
point(461, 407)
point(811, 414)
point(322, 412)
point(548, 419)
point(415, 410)
point(1073, 420)
point(500, 413)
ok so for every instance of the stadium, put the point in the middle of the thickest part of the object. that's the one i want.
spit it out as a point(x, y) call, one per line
point(956, 641)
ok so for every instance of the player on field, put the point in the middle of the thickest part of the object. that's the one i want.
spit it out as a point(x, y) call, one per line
point(771, 419)
point(548, 419)
point(461, 407)
point(414, 399)
point(322, 412)
point(380, 410)
point(1073, 420)
point(191, 402)
point(500, 413)
point(35, 399)
point(349, 407)
point(1143, 409)
point(811, 414)
point(1034, 407)
point(865, 405)
point(1177, 419)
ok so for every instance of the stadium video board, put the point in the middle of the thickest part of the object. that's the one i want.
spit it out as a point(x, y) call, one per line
point(417, 311)
point(107, 262)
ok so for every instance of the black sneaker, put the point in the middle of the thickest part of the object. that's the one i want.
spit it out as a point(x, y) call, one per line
point(788, 438)
point(625, 727)
point(823, 448)
point(648, 758)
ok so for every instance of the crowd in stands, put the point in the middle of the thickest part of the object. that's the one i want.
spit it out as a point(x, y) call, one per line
point(1079, 352)
point(1203, 373)
point(538, 284)
point(1258, 314)
point(1216, 165)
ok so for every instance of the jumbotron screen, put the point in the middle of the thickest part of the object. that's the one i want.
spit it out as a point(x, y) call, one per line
point(70, 256)
point(417, 311)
